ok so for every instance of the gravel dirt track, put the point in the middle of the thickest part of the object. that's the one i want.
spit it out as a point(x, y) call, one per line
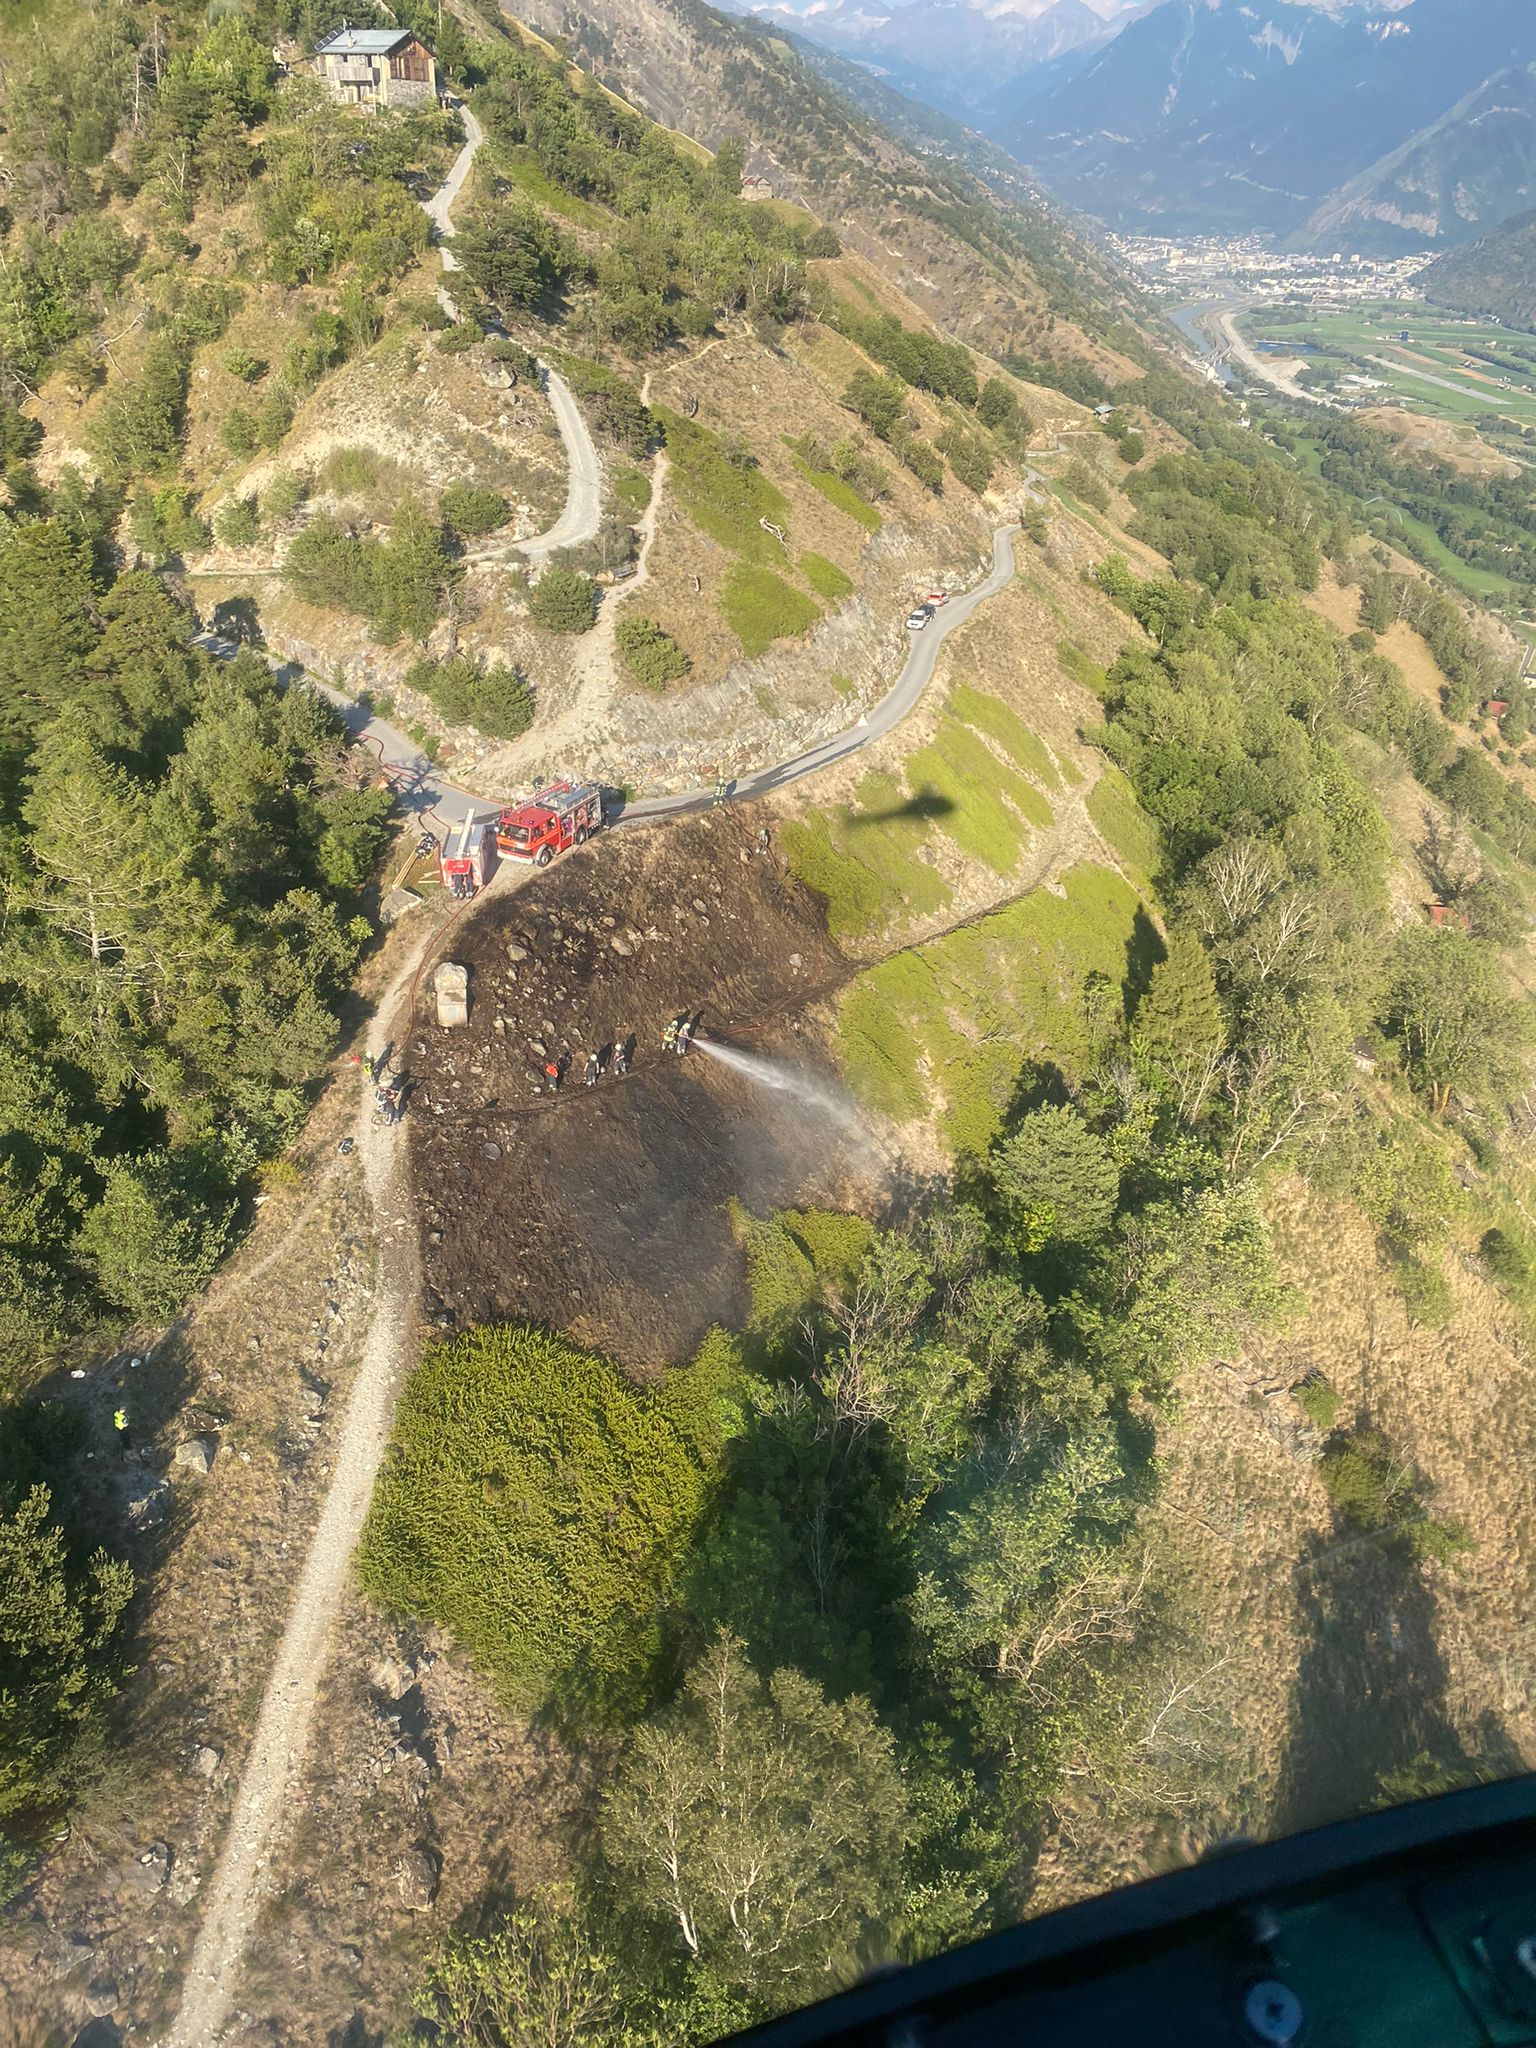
point(603, 1211)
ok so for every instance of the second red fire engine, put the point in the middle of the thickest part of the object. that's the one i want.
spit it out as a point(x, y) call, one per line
point(561, 814)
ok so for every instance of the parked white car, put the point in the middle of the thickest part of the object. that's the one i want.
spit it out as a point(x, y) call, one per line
point(916, 620)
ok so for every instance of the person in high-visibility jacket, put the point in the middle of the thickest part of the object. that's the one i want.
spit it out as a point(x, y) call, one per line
point(120, 1424)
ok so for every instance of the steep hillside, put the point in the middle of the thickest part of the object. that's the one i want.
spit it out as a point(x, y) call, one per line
point(1200, 117)
point(1496, 276)
point(1004, 278)
point(1035, 1379)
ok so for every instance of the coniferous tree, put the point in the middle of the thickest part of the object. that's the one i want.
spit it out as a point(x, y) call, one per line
point(1178, 1028)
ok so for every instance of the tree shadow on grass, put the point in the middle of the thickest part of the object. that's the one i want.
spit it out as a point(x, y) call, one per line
point(1369, 1717)
point(1144, 950)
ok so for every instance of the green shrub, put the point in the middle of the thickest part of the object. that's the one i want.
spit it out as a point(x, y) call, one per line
point(1360, 1477)
point(879, 1046)
point(350, 471)
point(797, 1256)
point(651, 655)
point(285, 493)
point(521, 361)
point(237, 523)
point(242, 364)
point(835, 1241)
point(925, 463)
point(855, 898)
point(1318, 1401)
point(59, 1656)
point(1506, 1258)
point(1373, 1486)
point(993, 717)
point(540, 1506)
point(1434, 1541)
point(862, 859)
point(157, 1233)
point(1082, 668)
point(760, 607)
point(239, 433)
point(472, 509)
point(958, 770)
point(562, 601)
point(1127, 830)
point(463, 335)
point(1078, 481)
point(969, 458)
point(162, 521)
point(632, 488)
point(1425, 1290)
point(275, 415)
point(837, 491)
point(724, 498)
point(825, 578)
point(495, 700)
point(780, 1277)
point(1016, 978)
point(612, 405)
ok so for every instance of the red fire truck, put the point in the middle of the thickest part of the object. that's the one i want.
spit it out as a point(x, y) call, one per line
point(559, 815)
point(469, 856)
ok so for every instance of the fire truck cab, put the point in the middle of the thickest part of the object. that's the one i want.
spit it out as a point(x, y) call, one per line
point(469, 857)
point(561, 814)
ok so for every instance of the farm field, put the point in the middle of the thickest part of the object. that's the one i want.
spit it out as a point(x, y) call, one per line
point(1448, 367)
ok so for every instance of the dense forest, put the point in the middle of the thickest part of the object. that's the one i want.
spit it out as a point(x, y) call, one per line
point(184, 848)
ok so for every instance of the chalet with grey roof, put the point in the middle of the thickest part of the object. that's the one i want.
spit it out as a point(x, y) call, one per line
point(377, 67)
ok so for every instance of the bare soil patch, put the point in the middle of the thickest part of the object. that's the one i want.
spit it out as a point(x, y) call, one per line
point(423, 1805)
point(1338, 603)
point(1432, 440)
point(603, 1211)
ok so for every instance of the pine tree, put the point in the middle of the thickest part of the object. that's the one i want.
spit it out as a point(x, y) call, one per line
point(412, 575)
point(224, 162)
point(1179, 1030)
point(46, 625)
point(1056, 1180)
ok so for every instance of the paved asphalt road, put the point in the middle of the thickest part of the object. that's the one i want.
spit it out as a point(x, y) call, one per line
point(880, 719)
point(583, 492)
point(417, 784)
point(422, 790)
point(439, 208)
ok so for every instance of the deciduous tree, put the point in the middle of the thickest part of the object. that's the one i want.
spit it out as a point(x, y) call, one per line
point(761, 1824)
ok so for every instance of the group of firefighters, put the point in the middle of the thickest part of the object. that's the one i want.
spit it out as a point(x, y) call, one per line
point(615, 1057)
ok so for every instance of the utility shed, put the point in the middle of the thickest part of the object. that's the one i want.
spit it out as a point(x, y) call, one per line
point(377, 67)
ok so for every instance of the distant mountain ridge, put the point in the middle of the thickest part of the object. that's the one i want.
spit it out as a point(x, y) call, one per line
point(1467, 171)
point(977, 251)
point(952, 54)
point(1495, 276)
point(1345, 122)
